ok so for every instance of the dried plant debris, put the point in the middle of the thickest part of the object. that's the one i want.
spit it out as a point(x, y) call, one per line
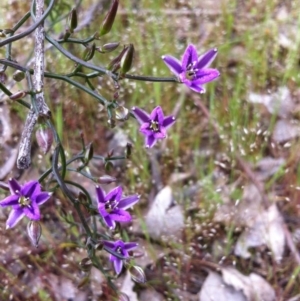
point(285, 130)
point(234, 286)
point(261, 226)
point(267, 167)
point(164, 219)
point(279, 102)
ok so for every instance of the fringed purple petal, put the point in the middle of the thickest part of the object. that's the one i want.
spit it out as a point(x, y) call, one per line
point(102, 211)
point(145, 129)
point(14, 217)
point(190, 56)
point(168, 121)
point(32, 211)
point(206, 75)
point(42, 198)
point(100, 195)
point(109, 222)
point(192, 85)
point(128, 201)
point(118, 265)
point(150, 141)
point(14, 186)
point(157, 115)
point(173, 64)
point(206, 59)
point(140, 115)
point(11, 200)
point(130, 246)
point(120, 215)
point(114, 194)
point(29, 188)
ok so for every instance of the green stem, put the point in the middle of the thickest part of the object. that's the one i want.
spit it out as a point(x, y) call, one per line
point(20, 101)
point(30, 29)
point(76, 41)
point(78, 60)
point(151, 78)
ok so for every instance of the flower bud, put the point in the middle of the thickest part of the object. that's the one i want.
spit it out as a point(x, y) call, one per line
point(18, 75)
point(72, 20)
point(44, 138)
point(121, 113)
point(106, 179)
point(115, 63)
point(127, 59)
point(137, 274)
point(89, 52)
point(18, 95)
point(108, 165)
point(109, 18)
point(109, 47)
point(88, 154)
point(111, 122)
point(34, 231)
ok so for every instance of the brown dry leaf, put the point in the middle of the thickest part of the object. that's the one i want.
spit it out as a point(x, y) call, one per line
point(234, 286)
point(267, 230)
point(127, 288)
point(279, 102)
point(267, 167)
point(285, 130)
point(164, 218)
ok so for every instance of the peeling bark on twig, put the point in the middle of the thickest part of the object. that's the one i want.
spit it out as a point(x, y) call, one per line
point(24, 157)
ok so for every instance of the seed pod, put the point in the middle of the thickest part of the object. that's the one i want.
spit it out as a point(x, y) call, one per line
point(127, 59)
point(18, 76)
point(44, 138)
point(18, 95)
point(109, 19)
point(3, 77)
point(34, 231)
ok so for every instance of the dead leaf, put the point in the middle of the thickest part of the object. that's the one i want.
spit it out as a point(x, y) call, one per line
point(279, 102)
point(267, 167)
point(164, 218)
point(267, 230)
point(234, 286)
point(127, 288)
point(285, 130)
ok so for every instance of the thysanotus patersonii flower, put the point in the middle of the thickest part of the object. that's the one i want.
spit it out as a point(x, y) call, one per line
point(192, 70)
point(25, 200)
point(121, 248)
point(153, 126)
point(112, 207)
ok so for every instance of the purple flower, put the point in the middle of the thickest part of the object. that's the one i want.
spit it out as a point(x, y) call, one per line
point(112, 207)
point(25, 200)
point(119, 247)
point(192, 70)
point(153, 126)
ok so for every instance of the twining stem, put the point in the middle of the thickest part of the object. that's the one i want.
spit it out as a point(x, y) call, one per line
point(30, 29)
